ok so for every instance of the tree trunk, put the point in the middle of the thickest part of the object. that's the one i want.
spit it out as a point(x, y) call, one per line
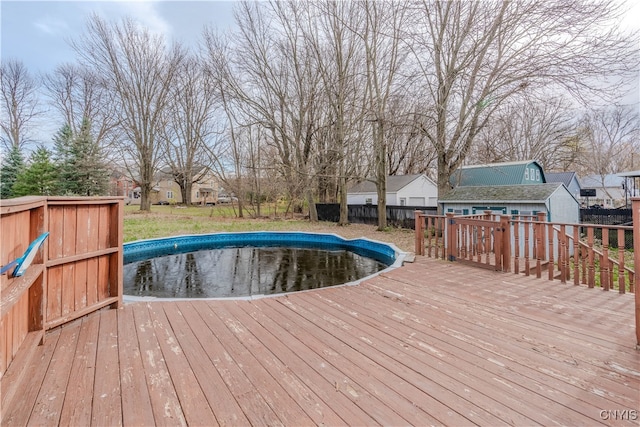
point(381, 174)
point(146, 184)
point(145, 200)
point(313, 212)
point(344, 207)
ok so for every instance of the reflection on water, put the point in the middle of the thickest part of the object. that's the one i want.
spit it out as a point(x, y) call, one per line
point(236, 272)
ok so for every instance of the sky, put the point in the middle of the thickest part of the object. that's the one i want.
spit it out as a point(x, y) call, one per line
point(38, 32)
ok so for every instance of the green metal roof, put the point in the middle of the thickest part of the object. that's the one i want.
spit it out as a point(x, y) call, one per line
point(510, 173)
point(502, 193)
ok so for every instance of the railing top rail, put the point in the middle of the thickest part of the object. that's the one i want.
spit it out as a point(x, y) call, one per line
point(21, 204)
point(615, 227)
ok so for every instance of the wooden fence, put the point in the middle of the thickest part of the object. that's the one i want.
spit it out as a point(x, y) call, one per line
point(397, 216)
point(583, 254)
point(77, 271)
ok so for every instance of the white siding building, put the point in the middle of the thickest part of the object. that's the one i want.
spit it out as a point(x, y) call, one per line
point(554, 199)
point(402, 190)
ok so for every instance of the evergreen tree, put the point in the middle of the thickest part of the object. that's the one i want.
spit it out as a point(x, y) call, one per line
point(79, 159)
point(39, 178)
point(12, 165)
point(63, 141)
point(93, 177)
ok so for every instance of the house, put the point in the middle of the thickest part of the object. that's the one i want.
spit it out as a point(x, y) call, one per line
point(205, 190)
point(631, 185)
point(569, 179)
point(167, 191)
point(553, 198)
point(402, 190)
point(610, 192)
point(527, 172)
point(120, 184)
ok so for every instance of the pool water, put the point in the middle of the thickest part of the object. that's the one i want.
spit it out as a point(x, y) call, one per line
point(245, 271)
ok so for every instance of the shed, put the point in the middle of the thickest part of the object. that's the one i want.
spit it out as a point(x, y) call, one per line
point(554, 199)
point(527, 172)
point(569, 179)
point(402, 190)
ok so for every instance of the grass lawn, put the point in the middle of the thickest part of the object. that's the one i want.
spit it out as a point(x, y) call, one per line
point(164, 221)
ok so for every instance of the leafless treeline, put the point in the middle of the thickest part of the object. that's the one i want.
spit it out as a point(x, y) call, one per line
point(301, 99)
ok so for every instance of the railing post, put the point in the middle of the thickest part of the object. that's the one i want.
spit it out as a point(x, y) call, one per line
point(635, 206)
point(542, 247)
point(419, 227)
point(451, 236)
point(505, 224)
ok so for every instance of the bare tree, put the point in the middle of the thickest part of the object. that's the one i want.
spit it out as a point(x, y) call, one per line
point(332, 33)
point(528, 128)
point(19, 104)
point(382, 40)
point(140, 70)
point(473, 56)
point(610, 138)
point(191, 132)
point(273, 82)
point(409, 151)
point(80, 97)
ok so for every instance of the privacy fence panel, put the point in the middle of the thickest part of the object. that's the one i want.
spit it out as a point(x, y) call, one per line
point(397, 216)
point(76, 271)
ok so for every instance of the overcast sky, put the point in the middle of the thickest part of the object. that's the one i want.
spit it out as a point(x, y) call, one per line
point(37, 32)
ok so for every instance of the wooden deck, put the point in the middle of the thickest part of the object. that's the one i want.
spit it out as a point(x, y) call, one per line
point(431, 343)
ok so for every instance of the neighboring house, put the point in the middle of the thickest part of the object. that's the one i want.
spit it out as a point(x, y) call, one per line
point(121, 185)
point(610, 192)
point(569, 179)
point(402, 190)
point(136, 195)
point(631, 185)
point(203, 191)
point(528, 172)
point(554, 199)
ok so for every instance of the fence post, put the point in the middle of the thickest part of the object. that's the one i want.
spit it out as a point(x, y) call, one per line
point(635, 202)
point(419, 227)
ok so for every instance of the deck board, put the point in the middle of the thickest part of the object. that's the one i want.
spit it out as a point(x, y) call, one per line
point(194, 404)
point(48, 405)
point(223, 404)
point(136, 402)
point(431, 343)
point(162, 393)
point(308, 366)
point(106, 406)
point(251, 400)
point(76, 410)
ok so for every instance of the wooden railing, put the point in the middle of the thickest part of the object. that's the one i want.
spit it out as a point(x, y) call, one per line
point(78, 270)
point(584, 254)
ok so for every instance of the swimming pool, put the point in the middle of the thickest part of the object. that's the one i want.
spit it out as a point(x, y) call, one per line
point(250, 264)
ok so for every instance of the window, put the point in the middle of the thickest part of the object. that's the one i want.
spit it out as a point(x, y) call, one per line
point(533, 174)
point(403, 201)
point(537, 175)
point(197, 194)
point(169, 194)
point(526, 174)
point(368, 201)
